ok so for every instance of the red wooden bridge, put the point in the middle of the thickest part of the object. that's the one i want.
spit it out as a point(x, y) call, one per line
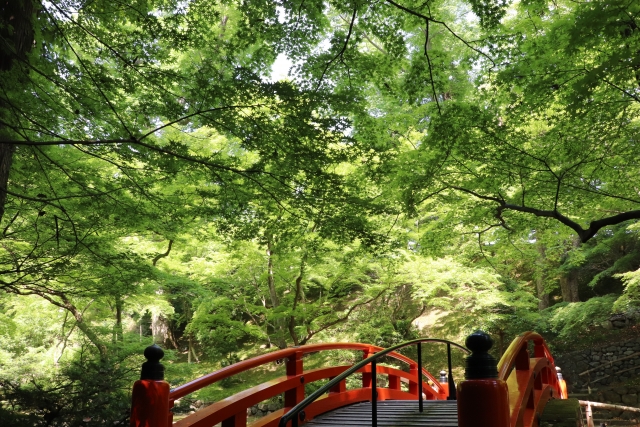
point(511, 394)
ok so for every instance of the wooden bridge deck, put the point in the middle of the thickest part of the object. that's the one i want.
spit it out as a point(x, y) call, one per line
point(393, 413)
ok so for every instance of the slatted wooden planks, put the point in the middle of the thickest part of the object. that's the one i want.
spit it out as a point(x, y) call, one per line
point(392, 413)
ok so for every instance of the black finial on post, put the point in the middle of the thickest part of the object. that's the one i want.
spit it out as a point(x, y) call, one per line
point(480, 364)
point(152, 369)
point(443, 376)
point(559, 372)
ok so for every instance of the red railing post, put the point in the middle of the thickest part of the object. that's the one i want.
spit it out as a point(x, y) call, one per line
point(237, 420)
point(394, 382)
point(366, 376)
point(414, 389)
point(294, 368)
point(483, 399)
point(150, 395)
point(341, 387)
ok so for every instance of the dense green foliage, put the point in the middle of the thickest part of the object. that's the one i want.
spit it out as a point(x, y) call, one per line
point(446, 164)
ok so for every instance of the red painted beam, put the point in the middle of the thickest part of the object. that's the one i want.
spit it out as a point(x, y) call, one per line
point(231, 412)
point(531, 381)
point(245, 365)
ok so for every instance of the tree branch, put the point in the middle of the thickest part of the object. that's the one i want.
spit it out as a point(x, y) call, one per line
point(429, 19)
point(326, 326)
point(107, 100)
point(426, 53)
point(164, 255)
point(584, 233)
point(132, 140)
point(344, 47)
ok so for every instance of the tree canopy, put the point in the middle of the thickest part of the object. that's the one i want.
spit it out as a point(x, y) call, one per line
point(228, 174)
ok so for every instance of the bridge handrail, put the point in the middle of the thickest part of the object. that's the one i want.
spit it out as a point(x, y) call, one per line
point(332, 383)
point(534, 381)
point(530, 381)
point(254, 362)
point(508, 359)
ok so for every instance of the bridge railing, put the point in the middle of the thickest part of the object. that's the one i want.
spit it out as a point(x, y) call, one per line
point(518, 389)
point(298, 412)
point(155, 411)
point(531, 379)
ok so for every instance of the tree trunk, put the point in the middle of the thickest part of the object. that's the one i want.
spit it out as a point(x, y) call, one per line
point(59, 299)
point(569, 282)
point(6, 157)
point(275, 303)
point(192, 351)
point(292, 318)
point(575, 296)
point(569, 286)
point(80, 323)
point(543, 295)
point(17, 40)
point(271, 283)
point(172, 336)
point(16, 43)
point(117, 333)
point(159, 328)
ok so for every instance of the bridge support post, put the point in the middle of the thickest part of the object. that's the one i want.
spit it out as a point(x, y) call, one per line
point(483, 399)
point(366, 376)
point(150, 395)
point(294, 368)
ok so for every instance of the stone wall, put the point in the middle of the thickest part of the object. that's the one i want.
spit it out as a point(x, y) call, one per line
point(600, 366)
point(186, 406)
point(607, 374)
point(262, 409)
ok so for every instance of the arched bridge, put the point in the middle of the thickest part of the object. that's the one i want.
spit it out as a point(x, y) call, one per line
point(511, 394)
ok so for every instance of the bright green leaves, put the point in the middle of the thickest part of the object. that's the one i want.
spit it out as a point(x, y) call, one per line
point(160, 171)
point(630, 300)
point(490, 12)
point(217, 324)
point(470, 296)
point(581, 54)
point(568, 319)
